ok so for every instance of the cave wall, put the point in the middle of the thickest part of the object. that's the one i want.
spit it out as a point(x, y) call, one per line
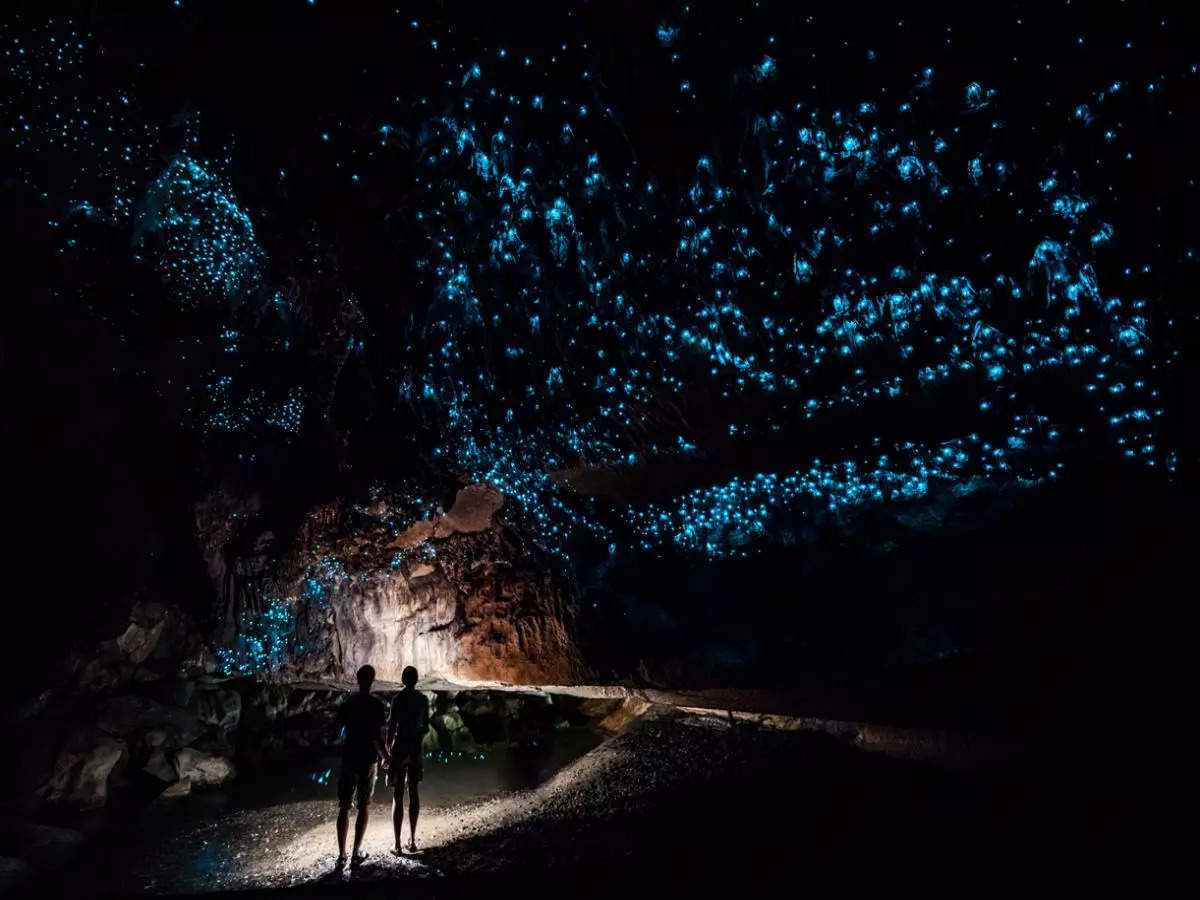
point(465, 596)
point(503, 627)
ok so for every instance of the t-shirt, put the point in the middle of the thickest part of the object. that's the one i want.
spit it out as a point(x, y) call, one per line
point(363, 717)
point(410, 716)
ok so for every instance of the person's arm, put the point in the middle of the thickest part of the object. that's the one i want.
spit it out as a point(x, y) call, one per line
point(423, 722)
point(339, 722)
point(390, 740)
point(378, 741)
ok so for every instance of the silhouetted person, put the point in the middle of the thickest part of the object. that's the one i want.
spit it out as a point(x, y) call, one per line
point(406, 729)
point(363, 717)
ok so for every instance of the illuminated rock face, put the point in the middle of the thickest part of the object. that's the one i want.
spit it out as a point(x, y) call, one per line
point(472, 512)
point(455, 606)
point(390, 624)
point(461, 598)
point(502, 628)
point(465, 595)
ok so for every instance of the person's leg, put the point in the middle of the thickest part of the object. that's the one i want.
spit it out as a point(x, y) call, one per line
point(343, 825)
point(360, 826)
point(398, 806)
point(366, 787)
point(414, 807)
point(346, 786)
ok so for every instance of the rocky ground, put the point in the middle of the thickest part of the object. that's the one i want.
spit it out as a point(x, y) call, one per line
point(679, 797)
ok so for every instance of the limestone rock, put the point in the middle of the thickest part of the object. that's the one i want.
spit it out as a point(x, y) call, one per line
point(222, 708)
point(161, 767)
point(163, 738)
point(123, 715)
point(202, 769)
point(82, 769)
point(107, 671)
point(138, 642)
point(479, 600)
point(270, 701)
point(452, 731)
point(472, 512)
point(620, 718)
point(415, 534)
point(599, 707)
point(492, 624)
point(430, 743)
point(179, 789)
point(473, 509)
point(159, 635)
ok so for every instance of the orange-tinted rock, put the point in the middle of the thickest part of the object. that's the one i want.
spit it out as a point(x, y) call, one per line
point(465, 596)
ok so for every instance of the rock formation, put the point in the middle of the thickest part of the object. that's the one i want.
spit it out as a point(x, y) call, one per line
point(465, 596)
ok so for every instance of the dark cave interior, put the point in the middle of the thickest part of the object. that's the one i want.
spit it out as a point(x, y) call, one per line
point(827, 366)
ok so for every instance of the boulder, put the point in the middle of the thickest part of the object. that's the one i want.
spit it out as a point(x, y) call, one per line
point(452, 731)
point(430, 743)
point(619, 719)
point(178, 789)
point(222, 708)
point(599, 707)
point(478, 703)
point(138, 641)
point(216, 740)
point(163, 737)
point(269, 701)
point(161, 767)
point(82, 769)
point(107, 671)
point(202, 769)
point(299, 702)
point(198, 659)
point(122, 716)
point(473, 509)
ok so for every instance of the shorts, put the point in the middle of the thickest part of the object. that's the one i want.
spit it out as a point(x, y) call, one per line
point(409, 762)
point(356, 784)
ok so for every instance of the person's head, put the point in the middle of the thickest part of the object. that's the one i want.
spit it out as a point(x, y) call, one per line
point(366, 676)
point(409, 676)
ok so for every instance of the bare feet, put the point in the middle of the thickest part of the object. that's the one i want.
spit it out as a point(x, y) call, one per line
point(340, 863)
